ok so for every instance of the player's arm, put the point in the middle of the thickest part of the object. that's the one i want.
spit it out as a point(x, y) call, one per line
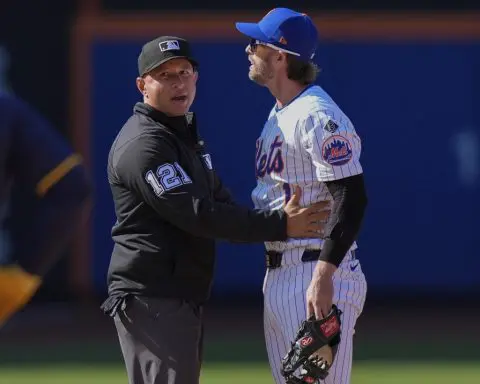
point(158, 176)
point(334, 149)
point(349, 204)
point(40, 162)
point(44, 163)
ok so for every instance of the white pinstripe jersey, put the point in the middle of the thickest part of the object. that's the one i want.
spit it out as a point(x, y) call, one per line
point(307, 142)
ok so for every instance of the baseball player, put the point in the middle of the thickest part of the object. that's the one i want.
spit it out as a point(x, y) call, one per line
point(308, 141)
point(37, 160)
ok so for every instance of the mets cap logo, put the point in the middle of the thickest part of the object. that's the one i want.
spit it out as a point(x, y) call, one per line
point(337, 150)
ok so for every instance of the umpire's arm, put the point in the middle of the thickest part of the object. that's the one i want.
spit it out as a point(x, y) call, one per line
point(221, 194)
point(180, 201)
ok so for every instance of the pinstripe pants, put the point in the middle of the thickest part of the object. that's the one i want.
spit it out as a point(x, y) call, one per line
point(284, 292)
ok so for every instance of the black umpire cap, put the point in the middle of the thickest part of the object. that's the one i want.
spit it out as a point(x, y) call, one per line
point(162, 49)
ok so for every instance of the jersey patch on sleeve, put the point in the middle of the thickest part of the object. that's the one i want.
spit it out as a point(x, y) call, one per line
point(167, 177)
point(331, 126)
point(337, 150)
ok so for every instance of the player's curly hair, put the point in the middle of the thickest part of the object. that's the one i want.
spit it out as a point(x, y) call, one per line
point(303, 72)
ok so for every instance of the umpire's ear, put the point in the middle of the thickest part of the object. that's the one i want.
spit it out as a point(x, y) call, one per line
point(141, 85)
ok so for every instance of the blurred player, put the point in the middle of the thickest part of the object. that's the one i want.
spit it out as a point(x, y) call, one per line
point(306, 141)
point(35, 158)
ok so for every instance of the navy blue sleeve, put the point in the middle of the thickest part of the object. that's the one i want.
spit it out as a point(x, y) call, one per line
point(39, 156)
point(41, 161)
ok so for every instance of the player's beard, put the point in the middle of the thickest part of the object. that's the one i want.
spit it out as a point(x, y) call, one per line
point(261, 71)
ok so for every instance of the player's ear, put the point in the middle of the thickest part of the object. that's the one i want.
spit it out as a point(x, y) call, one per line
point(141, 85)
point(282, 60)
point(195, 76)
point(279, 58)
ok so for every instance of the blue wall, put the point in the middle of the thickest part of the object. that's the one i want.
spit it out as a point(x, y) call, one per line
point(414, 107)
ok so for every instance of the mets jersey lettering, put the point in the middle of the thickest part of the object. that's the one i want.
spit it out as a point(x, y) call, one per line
point(306, 143)
point(270, 161)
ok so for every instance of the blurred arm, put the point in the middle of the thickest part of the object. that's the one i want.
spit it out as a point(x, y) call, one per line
point(44, 163)
point(41, 162)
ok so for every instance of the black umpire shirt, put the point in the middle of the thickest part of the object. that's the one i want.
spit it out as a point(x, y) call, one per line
point(170, 207)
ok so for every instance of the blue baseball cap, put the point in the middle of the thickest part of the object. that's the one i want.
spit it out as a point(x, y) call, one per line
point(285, 29)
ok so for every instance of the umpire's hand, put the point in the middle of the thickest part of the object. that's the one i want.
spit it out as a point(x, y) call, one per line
point(305, 222)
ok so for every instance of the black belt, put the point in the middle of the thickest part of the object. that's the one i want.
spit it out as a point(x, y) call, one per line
point(274, 259)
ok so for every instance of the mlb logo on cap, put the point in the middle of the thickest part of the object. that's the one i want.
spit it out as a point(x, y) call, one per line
point(162, 49)
point(169, 45)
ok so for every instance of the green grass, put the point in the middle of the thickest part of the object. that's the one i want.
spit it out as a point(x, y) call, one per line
point(250, 373)
point(235, 350)
point(242, 361)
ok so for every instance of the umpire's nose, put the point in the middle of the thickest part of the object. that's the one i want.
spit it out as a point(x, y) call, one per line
point(248, 49)
point(178, 82)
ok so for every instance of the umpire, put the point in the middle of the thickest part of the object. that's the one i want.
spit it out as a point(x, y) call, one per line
point(170, 207)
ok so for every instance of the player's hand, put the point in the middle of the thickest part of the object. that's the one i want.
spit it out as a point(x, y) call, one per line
point(320, 291)
point(305, 222)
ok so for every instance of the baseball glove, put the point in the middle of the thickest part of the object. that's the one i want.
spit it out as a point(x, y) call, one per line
point(313, 349)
